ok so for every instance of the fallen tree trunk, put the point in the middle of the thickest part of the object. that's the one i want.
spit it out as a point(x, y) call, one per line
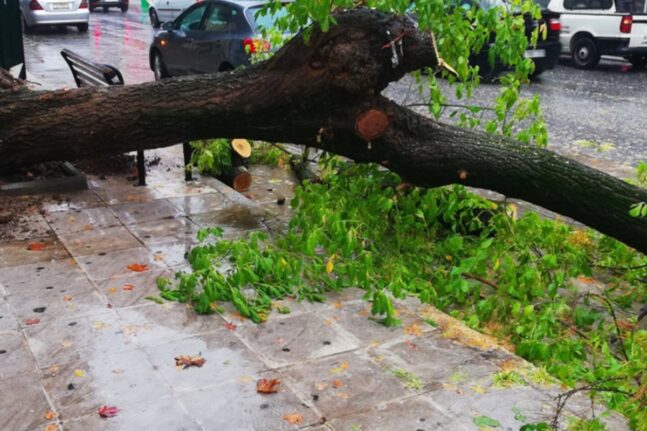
point(326, 95)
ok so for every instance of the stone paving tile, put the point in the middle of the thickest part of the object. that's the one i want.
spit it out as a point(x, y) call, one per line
point(237, 406)
point(79, 220)
point(355, 318)
point(62, 297)
point(155, 324)
point(228, 362)
point(231, 315)
point(131, 213)
point(165, 231)
point(131, 289)
point(23, 403)
point(37, 275)
point(7, 319)
point(200, 204)
point(415, 414)
point(114, 191)
point(435, 360)
point(346, 383)
point(93, 241)
point(16, 358)
point(69, 340)
point(156, 414)
point(173, 254)
point(234, 218)
point(80, 387)
point(72, 201)
point(15, 253)
point(296, 339)
point(114, 264)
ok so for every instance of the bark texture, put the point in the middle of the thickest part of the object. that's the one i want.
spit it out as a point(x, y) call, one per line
point(325, 94)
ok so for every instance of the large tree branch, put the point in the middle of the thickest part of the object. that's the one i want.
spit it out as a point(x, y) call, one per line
point(324, 94)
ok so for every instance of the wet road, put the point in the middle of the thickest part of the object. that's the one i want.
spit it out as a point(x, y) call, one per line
point(605, 105)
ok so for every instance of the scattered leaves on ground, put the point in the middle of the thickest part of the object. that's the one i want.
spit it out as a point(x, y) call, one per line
point(414, 330)
point(36, 246)
point(186, 361)
point(341, 368)
point(267, 386)
point(485, 421)
point(107, 411)
point(137, 267)
point(293, 418)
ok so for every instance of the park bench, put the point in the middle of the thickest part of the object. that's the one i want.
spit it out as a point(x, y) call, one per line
point(87, 73)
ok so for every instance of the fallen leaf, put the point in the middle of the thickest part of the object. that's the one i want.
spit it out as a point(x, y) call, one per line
point(54, 369)
point(485, 421)
point(66, 343)
point(112, 290)
point(118, 371)
point(36, 246)
point(79, 373)
point(186, 361)
point(88, 227)
point(293, 418)
point(50, 415)
point(414, 330)
point(342, 395)
point(338, 304)
point(51, 427)
point(128, 287)
point(158, 257)
point(337, 384)
point(99, 325)
point(341, 368)
point(330, 265)
point(230, 326)
point(267, 386)
point(411, 344)
point(245, 379)
point(67, 298)
point(30, 322)
point(137, 267)
point(626, 325)
point(108, 412)
point(321, 385)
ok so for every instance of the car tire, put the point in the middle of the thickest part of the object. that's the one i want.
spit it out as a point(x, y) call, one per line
point(159, 68)
point(152, 15)
point(638, 61)
point(585, 53)
point(124, 8)
point(83, 28)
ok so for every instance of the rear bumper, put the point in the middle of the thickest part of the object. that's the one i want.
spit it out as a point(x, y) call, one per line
point(41, 17)
point(553, 50)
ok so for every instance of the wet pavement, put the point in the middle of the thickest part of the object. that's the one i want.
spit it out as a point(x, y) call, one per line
point(77, 332)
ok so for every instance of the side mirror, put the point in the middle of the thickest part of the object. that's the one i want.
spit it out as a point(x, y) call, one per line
point(168, 26)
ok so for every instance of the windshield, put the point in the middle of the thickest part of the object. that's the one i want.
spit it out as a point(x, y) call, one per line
point(264, 21)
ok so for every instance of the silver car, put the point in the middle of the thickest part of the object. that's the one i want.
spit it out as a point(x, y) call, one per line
point(55, 12)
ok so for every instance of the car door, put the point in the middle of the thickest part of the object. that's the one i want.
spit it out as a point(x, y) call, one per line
point(223, 26)
point(183, 54)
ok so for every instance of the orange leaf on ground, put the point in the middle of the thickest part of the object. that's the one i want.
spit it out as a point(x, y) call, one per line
point(36, 246)
point(293, 418)
point(411, 344)
point(267, 386)
point(230, 326)
point(108, 412)
point(138, 267)
point(50, 415)
point(128, 287)
point(187, 361)
point(30, 322)
point(414, 330)
point(67, 298)
point(51, 427)
point(337, 384)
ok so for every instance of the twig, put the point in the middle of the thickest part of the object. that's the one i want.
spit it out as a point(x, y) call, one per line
point(481, 279)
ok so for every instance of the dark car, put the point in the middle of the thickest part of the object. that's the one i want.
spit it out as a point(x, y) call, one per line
point(210, 36)
point(105, 4)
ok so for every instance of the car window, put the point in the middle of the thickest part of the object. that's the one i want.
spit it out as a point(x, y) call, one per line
point(588, 4)
point(222, 19)
point(264, 21)
point(193, 18)
point(630, 6)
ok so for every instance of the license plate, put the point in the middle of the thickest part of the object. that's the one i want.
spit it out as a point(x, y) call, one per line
point(535, 53)
point(59, 6)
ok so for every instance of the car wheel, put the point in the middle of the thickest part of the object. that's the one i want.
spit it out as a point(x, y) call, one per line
point(82, 27)
point(159, 68)
point(124, 8)
point(155, 21)
point(638, 61)
point(585, 53)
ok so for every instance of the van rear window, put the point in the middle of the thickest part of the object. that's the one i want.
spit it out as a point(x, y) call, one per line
point(631, 6)
point(588, 4)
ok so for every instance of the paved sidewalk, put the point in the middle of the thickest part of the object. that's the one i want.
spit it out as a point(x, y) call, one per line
point(77, 332)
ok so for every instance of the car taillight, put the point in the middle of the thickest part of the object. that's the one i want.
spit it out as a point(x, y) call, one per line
point(256, 45)
point(34, 5)
point(625, 24)
point(554, 24)
point(84, 4)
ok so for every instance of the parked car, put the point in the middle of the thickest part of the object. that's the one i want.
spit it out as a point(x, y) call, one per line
point(55, 12)
point(106, 4)
point(545, 54)
point(160, 11)
point(210, 36)
point(591, 28)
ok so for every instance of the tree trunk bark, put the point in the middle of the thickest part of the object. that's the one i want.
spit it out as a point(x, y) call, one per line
point(325, 94)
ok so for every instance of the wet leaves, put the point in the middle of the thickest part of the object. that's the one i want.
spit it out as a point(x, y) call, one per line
point(138, 267)
point(108, 411)
point(186, 361)
point(230, 326)
point(30, 322)
point(128, 287)
point(50, 415)
point(414, 330)
point(293, 418)
point(267, 386)
point(51, 427)
point(343, 366)
point(36, 246)
point(337, 384)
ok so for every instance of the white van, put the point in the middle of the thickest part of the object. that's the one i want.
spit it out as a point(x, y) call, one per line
point(591, 28)
point(160, 11)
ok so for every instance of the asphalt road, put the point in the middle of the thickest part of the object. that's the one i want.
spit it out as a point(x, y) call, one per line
point(605, 105)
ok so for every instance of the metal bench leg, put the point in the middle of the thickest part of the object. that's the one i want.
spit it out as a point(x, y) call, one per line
point(141, 168)
point(188, 171)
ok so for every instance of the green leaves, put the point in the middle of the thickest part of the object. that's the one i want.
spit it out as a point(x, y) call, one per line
point(638, 210)
point(485, 421)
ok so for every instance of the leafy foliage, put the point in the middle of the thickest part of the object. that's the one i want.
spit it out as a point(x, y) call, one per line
point(211, 157)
